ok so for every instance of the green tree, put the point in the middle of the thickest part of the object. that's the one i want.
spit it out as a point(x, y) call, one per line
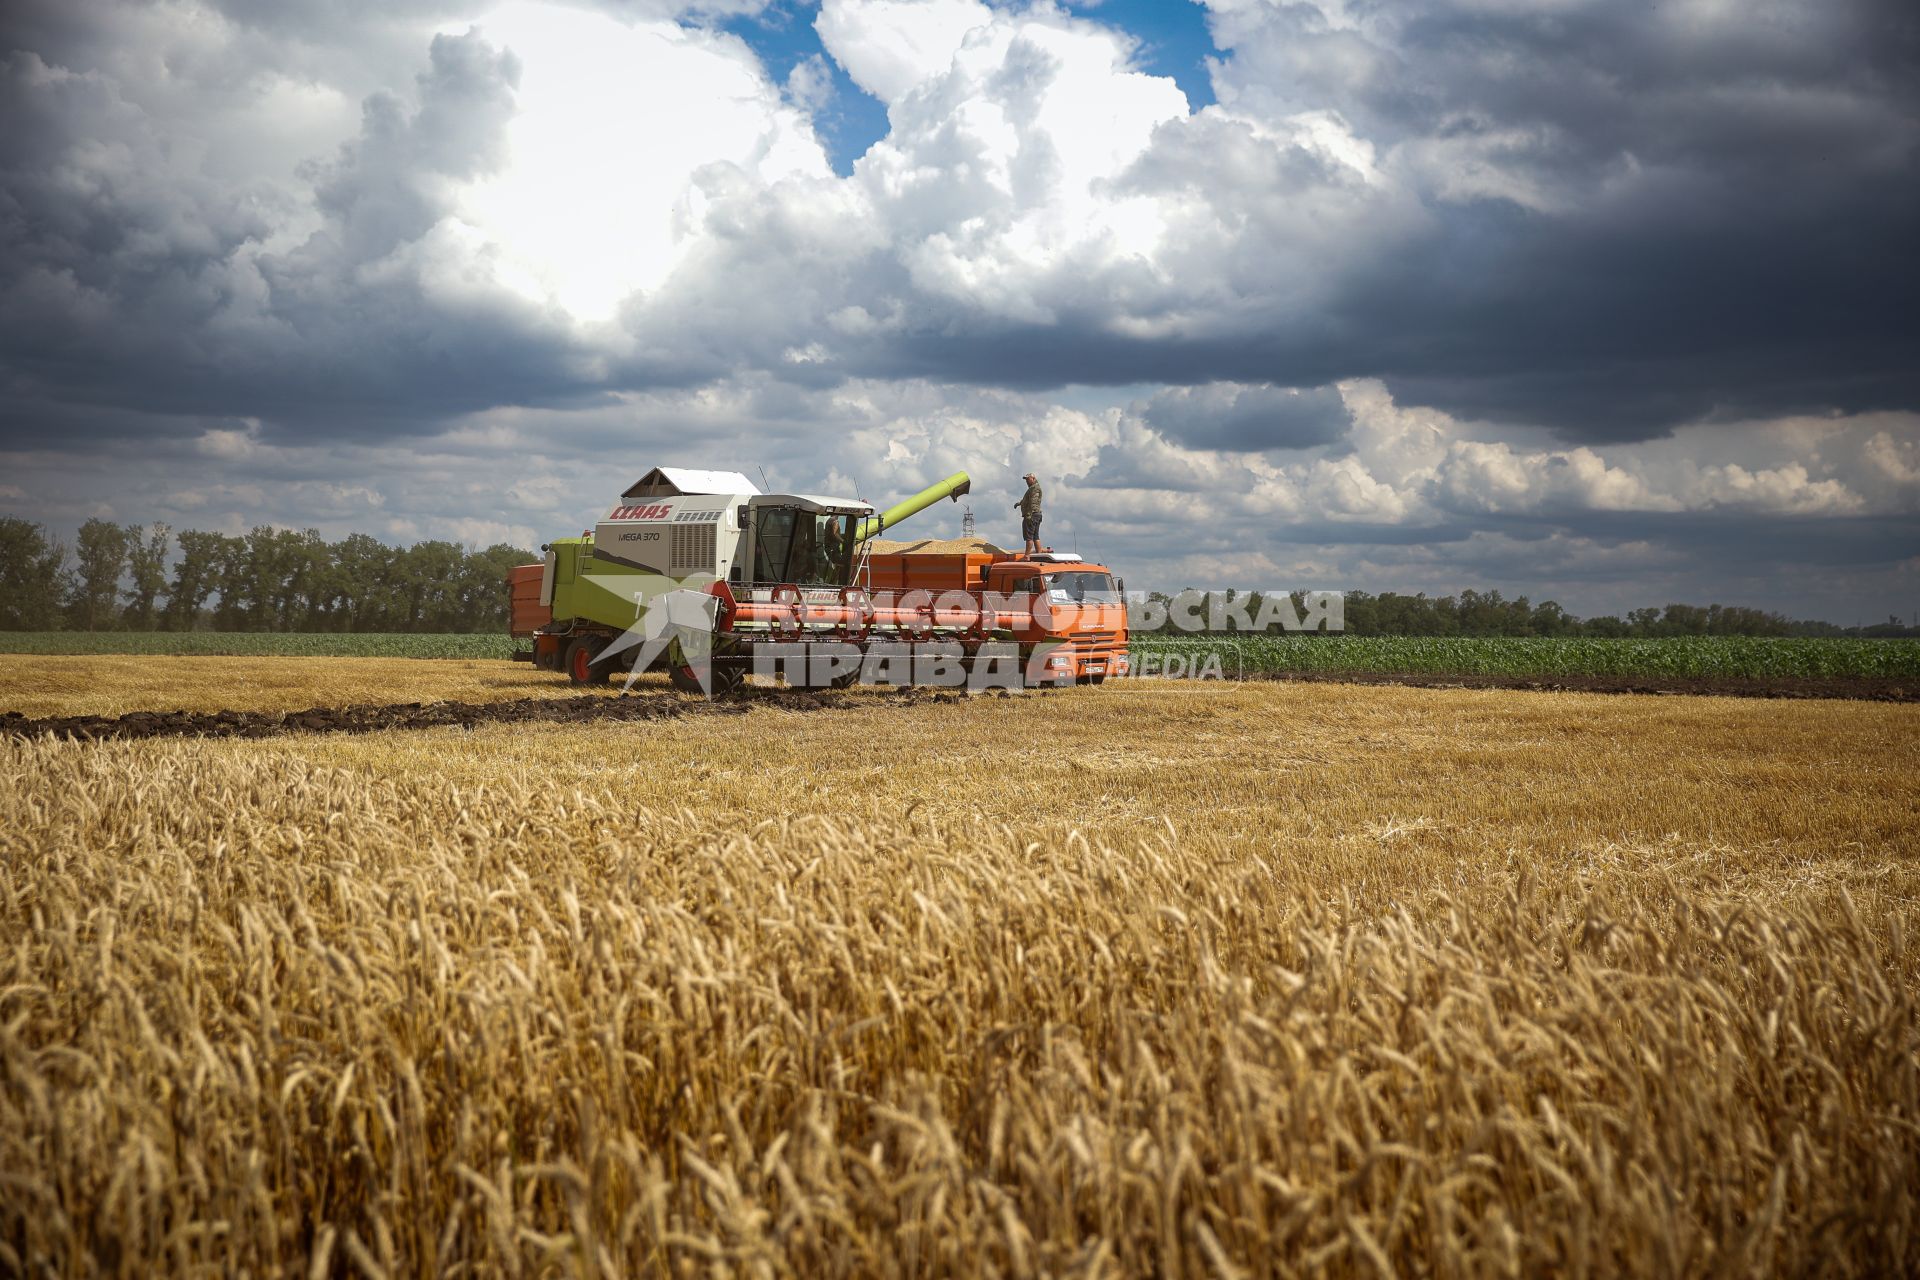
point(147, 567)
point(365, 598)
point(1480, 613)
point(1363, 613)
point(326, 592)
point(265, 576)
point(484, 586)
point(233, 578)
point(33, 577)
point(195, 577)
point(102, 553)
point(1684, 620)
point(299, 565)
point(1645, 622)
point(429, 574)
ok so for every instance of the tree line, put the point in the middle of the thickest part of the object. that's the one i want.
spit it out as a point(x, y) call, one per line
point(147, 578)
point(1488, 613)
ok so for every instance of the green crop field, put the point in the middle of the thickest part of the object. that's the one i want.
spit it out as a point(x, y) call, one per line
point(1688, 656)
point(258, 644)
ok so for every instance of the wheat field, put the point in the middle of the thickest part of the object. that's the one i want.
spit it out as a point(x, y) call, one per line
point(1163, 979)
point(72, 685)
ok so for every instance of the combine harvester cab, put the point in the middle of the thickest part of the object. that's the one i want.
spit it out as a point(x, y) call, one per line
point(801, 572)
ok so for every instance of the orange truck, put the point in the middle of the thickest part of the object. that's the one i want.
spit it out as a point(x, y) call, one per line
point(1068, 616)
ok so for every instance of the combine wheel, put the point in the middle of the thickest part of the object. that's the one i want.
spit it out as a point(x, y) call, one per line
point(727, 678)
point(579, 661)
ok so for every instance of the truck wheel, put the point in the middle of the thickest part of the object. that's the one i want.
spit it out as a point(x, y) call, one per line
point(580, 665)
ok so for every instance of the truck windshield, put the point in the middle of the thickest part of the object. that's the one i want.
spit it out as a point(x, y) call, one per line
point(802, 547)
point(1083, 586)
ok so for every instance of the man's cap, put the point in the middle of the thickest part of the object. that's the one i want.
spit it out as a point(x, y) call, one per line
point(1029, 476)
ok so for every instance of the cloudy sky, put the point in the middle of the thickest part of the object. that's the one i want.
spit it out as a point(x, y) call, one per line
point(1608, 300)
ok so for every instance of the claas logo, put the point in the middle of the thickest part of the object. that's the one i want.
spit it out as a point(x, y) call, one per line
point(654, 511)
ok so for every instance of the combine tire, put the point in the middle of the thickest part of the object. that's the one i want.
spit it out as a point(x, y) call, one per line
point(727, 678)
point(580, 665)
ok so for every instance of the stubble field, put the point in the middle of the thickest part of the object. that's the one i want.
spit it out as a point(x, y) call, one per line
point(1159, 978)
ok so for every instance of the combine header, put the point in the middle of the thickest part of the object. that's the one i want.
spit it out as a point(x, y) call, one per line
point(803, 582)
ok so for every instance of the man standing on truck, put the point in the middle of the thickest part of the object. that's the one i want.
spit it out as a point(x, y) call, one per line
point(1029, 505)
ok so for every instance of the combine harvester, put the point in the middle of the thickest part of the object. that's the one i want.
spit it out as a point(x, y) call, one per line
point(802, 584)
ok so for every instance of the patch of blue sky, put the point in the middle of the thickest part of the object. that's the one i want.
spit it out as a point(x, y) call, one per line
point(851, 120)
point(1173, 37)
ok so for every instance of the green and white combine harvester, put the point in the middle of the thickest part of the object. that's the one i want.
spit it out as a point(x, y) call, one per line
point(710, 530)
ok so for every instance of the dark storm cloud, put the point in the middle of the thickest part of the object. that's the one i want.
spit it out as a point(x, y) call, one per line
point(1737, 539)
point(1602, 219)
point(131, 280)
point(1608, 219)
point(1248, 419)
point(377, 196)
point(110, 270)
point(1596, 218)
point(30, 423)
point(1670, 79)
point(1726, 201)
point(1756, 305)
point(1362, 533)
point(1599, 218)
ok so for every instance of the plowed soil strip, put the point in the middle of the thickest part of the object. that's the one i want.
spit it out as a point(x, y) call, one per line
point(577, 709)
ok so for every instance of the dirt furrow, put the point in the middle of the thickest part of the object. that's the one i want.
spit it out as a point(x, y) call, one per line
point(583, 709)
point(570, 709)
